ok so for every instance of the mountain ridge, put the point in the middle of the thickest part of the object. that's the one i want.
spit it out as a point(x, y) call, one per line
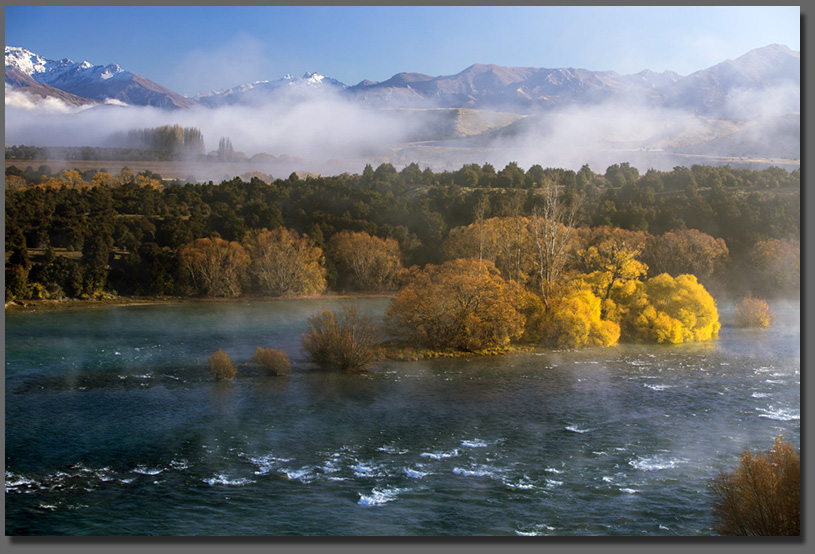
point(710, 92)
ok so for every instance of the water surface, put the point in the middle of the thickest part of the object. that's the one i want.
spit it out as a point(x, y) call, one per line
point(115, 427)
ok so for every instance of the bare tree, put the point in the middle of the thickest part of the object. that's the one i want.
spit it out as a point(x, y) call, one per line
point(553, 224)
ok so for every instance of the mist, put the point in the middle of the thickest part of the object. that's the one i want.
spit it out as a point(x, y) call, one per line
point(324, 132)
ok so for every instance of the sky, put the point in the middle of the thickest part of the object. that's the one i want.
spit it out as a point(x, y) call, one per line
point(198, 49)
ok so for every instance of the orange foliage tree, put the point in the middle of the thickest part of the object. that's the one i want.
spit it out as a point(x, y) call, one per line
point(285, 263)
point(214, 266)
point(685, 251)
point(462, 305)
point(365, 262)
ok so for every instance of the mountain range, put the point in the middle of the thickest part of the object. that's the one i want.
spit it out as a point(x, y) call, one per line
point(711, 92)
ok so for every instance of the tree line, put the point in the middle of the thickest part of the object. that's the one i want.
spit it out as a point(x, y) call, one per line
point(89, 233)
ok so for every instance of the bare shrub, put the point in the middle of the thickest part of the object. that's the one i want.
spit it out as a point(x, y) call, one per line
point(345, 341)
point(754, 312)
point(273, 361)
point(221, 366)
point(762, 497)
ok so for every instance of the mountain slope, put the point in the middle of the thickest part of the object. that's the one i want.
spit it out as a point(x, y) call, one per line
point(83, 79)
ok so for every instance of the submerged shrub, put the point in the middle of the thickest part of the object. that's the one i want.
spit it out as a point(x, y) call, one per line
point(273, 361)
point(221, 366)
point(762, 497)
point(346, 341)
point(754, 312)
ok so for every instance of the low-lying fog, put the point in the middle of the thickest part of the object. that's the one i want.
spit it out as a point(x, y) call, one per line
point(327, 133)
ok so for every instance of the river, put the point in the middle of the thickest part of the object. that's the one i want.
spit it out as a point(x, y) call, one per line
point(115, 427)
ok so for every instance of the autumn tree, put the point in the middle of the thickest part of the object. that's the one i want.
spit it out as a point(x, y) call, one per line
point(762, 496)
point(572, 319)
point(365, 262)
point(215, 267)
point(285, 263)
point(461, 305)
point(685, 251)
point(611, 264)
point(665, 309)
point(778, 264)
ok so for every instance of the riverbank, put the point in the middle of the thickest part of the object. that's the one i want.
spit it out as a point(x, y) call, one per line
point(67, 303)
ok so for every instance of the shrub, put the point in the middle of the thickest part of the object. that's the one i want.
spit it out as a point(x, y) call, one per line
point(347, 342)
point(274, 362)
point(754, 312)
point(221, 366)
point(762, 497)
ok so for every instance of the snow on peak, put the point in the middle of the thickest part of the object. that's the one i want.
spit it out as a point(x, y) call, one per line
point(24, 60)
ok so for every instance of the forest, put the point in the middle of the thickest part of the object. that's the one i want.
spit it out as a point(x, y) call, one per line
point(584, 257)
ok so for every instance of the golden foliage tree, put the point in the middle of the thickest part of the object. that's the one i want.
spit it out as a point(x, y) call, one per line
point(762, 497)
point(365, 262)
point(572, 319)
point(215, 267)
point(665, 309)
point(611, 264)
point(346, 341)
point(754, 312)
point(462, 305)
point(286, 263)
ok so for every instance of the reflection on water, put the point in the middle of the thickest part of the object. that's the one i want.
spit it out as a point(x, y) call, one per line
point(114, 426)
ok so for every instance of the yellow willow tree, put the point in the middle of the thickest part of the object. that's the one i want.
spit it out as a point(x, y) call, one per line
point(214, 266)
point(665, 309)
point(365, 262)
point(285, 263)
point(462, 305)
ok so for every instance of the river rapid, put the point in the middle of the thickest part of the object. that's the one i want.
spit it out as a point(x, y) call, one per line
point(115, 427)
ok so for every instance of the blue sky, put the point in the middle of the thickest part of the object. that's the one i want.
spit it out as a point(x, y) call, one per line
point(196, 49)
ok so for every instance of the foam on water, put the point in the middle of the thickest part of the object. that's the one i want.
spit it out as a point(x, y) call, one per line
point(415, 473)
point(144, 470)
point(440, 455)
point(654, 463)
point(476, 471)
point(380, 496)
point(304, 474)
point(223, 479)
point(475, 443)
point(780, 414)
point(576, 429)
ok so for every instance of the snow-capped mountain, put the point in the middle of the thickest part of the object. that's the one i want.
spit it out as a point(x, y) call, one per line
point(93, 82)
point(265, 90)
point(731, 89)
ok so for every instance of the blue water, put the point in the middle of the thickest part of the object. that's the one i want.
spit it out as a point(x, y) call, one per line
point(115, 427)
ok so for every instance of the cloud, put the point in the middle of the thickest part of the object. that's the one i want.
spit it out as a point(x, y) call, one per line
point(20, 100)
